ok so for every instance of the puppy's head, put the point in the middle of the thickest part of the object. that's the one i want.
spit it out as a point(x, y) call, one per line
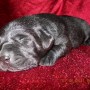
point(18, 49)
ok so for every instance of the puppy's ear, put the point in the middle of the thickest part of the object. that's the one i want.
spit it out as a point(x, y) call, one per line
point(46, 39)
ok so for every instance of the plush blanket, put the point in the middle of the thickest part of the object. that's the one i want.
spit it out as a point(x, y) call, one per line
point(71, 72)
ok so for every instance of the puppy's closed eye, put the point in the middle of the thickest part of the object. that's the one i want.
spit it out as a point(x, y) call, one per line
point(19, 38)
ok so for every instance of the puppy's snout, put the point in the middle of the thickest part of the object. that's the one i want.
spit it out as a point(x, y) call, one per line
point(4, 55)
point(5, 51)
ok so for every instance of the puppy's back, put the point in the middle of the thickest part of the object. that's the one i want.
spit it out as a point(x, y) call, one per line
point(77, 29)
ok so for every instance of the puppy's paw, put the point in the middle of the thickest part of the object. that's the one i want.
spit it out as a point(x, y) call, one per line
point(48, 60)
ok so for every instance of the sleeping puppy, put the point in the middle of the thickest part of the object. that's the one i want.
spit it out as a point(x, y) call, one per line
point(40, 40)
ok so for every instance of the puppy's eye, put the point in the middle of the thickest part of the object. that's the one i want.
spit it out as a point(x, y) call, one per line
point(20, 37)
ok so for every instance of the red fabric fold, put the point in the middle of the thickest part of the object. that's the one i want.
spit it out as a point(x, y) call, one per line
point(71, 72)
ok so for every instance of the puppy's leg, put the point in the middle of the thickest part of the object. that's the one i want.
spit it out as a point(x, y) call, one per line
point(61, 47)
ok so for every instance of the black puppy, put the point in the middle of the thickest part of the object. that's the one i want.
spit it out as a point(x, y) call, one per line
point(40, 40)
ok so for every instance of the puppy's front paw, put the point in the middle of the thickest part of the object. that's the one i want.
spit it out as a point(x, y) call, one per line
point(48, 60)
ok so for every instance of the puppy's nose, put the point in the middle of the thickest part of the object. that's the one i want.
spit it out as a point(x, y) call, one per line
point(7, 57)
point(5, 60)
point(5, 54)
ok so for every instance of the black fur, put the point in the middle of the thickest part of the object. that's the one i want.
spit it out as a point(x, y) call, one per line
point(40, 40)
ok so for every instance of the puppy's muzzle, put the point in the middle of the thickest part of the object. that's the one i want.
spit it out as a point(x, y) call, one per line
point(5, 50)
point(11, 54)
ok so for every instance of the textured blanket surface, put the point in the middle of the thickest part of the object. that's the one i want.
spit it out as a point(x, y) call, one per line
point(71, 72)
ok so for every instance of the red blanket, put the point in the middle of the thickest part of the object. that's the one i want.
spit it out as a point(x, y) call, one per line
point(71, 72)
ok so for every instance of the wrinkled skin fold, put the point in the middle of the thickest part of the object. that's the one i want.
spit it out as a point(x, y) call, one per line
point(40, 39)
